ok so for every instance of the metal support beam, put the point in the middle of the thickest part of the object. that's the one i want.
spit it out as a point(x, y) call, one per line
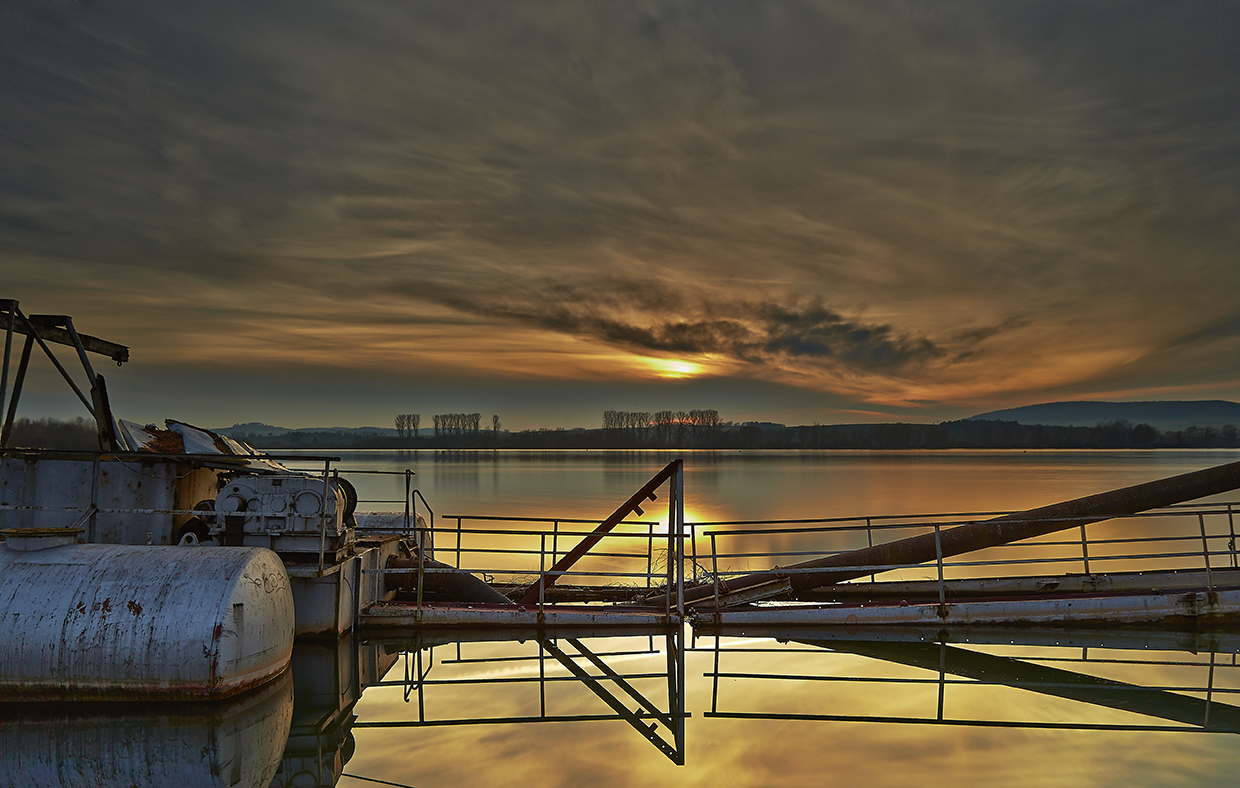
point(633, 504)
point(11, 313)
point(49, 328)
point(105, 424)
point(81, 349)
point(38, 337)
point(18, 380)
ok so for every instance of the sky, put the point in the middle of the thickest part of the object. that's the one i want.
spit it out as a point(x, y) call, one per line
point(329, 212)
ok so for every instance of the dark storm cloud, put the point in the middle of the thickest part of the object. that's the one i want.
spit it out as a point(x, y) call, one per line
point(739, 329)
point(1011, 180)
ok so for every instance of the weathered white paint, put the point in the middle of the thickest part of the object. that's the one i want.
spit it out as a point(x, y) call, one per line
point(285, 513)
point(56, 493)
point(329, 603)
point(121, 621)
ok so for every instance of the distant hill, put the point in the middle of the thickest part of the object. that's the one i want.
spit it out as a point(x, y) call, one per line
point(1173, 415)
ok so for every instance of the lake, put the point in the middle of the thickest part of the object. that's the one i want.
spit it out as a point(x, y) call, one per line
point(800, 708)
point(780, 749)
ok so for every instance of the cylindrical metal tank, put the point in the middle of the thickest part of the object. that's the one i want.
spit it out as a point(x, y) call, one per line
point(118, 622)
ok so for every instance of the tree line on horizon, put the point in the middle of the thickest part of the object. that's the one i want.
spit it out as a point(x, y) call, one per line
point(662, 428)
point(634, 432)
point(445, 424)
point(407, 424)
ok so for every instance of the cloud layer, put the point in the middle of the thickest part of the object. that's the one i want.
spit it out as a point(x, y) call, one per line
point(892, 202)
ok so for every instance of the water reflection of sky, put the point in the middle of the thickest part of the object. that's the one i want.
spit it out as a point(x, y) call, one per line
point(885, 696)
point(765, 485)
point(769, 485)
point(799, 752)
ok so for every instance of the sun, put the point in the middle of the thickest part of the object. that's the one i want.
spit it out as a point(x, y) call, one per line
point(674, 368)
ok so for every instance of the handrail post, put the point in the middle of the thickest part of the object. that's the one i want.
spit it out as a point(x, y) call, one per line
point(693, 549)
point(1205, 553)
point(542, 573)
point(1231, 528)
point(408, 501)
point(427, 535)
point(649, 554)
point(678, 496)
point(458, 542)
point(714, 562)
point(938, 549)
point(869, 538)
point(669, 580)
point(1084, 550)
point(421, 542)
point(327, 481)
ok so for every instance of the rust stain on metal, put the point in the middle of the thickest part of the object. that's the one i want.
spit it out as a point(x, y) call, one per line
point(135, 608)
point(164, 441)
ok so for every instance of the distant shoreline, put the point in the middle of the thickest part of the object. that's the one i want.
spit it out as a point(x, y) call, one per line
point(79, 434)
point(967, 434)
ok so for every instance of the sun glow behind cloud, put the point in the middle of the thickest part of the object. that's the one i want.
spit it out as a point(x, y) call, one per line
point(674, 368)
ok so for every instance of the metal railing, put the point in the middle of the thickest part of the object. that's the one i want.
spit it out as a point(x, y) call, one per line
point(505, 556)
point(1186, 536)
point(501, 550)
point(640, 558)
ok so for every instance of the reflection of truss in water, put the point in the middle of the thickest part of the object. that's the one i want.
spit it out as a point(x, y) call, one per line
point(664, 729)
point(953, 666)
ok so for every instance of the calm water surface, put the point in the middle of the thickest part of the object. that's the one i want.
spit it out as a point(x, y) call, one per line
point(774, 741)
point(1135, 709)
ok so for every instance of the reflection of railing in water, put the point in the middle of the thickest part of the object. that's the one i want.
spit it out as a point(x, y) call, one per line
point(614, 688)
point(957, 667)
